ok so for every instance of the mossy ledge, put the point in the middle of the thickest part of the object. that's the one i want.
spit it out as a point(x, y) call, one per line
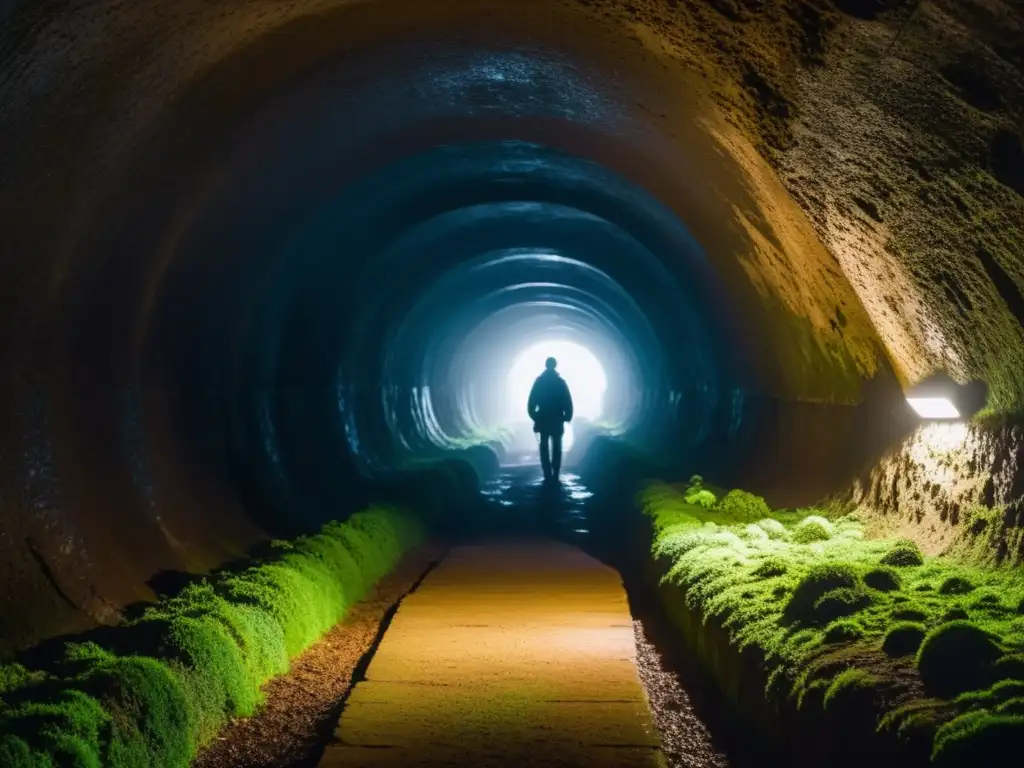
point(837, 649)
point(155, 689)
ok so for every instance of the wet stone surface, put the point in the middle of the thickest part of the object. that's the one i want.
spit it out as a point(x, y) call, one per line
point(518, 499)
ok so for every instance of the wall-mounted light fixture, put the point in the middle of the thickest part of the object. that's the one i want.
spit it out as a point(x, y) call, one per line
point(934, 407)
point(940, 398)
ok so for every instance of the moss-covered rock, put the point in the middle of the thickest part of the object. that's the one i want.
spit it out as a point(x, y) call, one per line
point(845, 601)
point(811, 529)
point(701, 497)
point(903, 639)
point(956, 657)
point(978, 738)
point(956, 585)
point(843, 631)
point(770, 567)
point(819, 581)
point(956, 613)
point(904, 554)
point(1010, 667)
point(775, 530)
point(742, 506)
point(884, 578)
point(910, 614)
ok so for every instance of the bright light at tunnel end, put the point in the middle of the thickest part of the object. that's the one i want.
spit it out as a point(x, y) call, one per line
point(934, 407)
point(579, 367)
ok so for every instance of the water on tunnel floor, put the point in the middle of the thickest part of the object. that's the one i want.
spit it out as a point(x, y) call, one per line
point(519, 500)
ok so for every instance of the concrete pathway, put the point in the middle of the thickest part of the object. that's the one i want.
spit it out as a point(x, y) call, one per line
point(508, 654)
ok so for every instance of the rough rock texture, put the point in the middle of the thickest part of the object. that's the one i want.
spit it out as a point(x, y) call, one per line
point(931, 486)
point(897, 125)
point(855, 173)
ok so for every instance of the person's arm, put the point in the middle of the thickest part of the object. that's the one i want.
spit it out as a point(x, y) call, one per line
point(531, 405)
point(567, 411)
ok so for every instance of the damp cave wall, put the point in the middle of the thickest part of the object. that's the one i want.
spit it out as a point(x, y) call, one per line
point(860, 197)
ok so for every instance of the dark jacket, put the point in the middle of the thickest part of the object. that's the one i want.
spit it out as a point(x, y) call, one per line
point(550, 404)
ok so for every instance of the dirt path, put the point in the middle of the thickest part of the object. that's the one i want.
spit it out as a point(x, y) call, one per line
point(508, 654)
point(302, 705)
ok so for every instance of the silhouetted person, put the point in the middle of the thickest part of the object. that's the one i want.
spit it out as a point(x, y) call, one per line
point(550, 407)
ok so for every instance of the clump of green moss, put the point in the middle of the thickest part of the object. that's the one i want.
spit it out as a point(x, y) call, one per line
point(978, 738)
point(956, 657)
point(841, 602)
point(743, 506)
point(883, 578)
point(1010, 667)
point(903, 554)
point(903, 639)
point(910, 614)
point(956, 613)
point(775, 530)
point(956, 585)
point(852, 689)
point(795, 602)
point(171, 678)
point(811, 529)
point(770, 567)
point(818, 582)
point(843, 631)
point(986, 600)
point(701, 497)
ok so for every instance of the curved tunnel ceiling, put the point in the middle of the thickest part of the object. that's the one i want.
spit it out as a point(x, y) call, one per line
point(260, 252)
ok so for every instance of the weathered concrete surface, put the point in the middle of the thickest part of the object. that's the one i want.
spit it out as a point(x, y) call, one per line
point(518, 654)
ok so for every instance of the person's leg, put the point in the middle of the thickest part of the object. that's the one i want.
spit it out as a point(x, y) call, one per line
point(545, 456)
point(556, 454)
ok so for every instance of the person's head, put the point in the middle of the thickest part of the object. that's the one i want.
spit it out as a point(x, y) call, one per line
point(550, 364)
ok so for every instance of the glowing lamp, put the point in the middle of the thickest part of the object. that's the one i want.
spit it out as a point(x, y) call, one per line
point(934, 407)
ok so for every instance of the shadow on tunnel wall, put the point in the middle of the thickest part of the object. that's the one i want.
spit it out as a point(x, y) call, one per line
point(792, 453)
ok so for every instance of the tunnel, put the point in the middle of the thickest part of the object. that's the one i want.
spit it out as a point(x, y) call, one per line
point(267, 263)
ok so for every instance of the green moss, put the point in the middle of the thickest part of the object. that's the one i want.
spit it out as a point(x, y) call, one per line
point(978, 738)
point(843, 631)
point(15, 752)
point(838, 603)
point(812, 529)
point(796, 603)
point(15, 676)
point(910, 614)
point(956, 585)
point(172, 678)
point(818, 582)
point(742, 506)
point(1010, 667)
point(770, 567)
point(852, 689)
point(956, 657)
point(903, 554)
point(903, 639)
point(774, 529)
point(702, 498)
point(956, 613)
point(884, 579)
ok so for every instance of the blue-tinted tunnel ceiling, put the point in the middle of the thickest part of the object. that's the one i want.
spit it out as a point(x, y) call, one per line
point(311, 262)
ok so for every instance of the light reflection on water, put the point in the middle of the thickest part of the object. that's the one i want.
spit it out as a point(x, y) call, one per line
point(563, 504)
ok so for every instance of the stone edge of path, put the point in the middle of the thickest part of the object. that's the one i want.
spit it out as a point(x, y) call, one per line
point(302, 706)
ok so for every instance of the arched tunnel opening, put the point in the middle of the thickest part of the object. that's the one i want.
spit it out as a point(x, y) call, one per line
point(269, 266)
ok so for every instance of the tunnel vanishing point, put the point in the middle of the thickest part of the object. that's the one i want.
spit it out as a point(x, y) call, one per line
point(259, 258)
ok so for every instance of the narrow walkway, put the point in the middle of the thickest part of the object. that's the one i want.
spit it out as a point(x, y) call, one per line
point(516, 653)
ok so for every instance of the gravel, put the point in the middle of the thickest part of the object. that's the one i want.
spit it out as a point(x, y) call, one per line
point(685, 738)
point(302, 706)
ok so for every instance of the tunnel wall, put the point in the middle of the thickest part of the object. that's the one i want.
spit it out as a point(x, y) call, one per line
point(860, 233)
